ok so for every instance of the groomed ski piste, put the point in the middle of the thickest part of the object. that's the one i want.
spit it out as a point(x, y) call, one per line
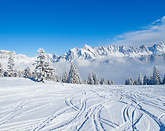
point(26, 105)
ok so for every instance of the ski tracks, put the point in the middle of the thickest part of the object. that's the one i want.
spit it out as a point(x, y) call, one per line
point(76, 110)
point(12, 113)
point(88, 108)
point(81, 114)
point(134, 112)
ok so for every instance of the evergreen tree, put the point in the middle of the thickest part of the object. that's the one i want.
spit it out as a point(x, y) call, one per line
point(11, 71)
point(136, 82)
point(1, 71)
point(71, 81)
point(163, 80)
point(96, 82)
point(102, 82)
point(27, 72)
point(140, 79)
point(109, 82)
point(5, 74)
point(41, 63)
point(150, 80)
point(146, 80)
point(65, 77)
point(126, 82)
point(16, 73)
point(43, 70)
point(156, 78)
point(129, 81)
point(112, 83)
point(105, 82)
point(74, 76)
point(50, 73)
point(90, 79)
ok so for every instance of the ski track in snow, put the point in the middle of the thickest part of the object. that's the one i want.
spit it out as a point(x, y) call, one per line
point(28, 105)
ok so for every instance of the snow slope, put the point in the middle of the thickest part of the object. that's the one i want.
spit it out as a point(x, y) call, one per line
point(29, 105)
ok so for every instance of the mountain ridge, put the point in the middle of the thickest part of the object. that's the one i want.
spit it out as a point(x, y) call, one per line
point(102, 54)
point(141, 53)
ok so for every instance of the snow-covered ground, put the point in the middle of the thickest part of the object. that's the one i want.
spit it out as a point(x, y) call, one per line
point(28, 105)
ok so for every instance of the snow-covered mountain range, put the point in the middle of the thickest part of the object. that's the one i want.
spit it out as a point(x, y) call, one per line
point(106, 54)
point(102, 54)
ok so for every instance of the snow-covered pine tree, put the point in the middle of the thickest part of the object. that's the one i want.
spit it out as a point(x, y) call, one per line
point(90, 79)
point(1, 71)
point(156, 77)
point(70, 81)
point(129, 81)
point(150, 80)
point(43, 70)
point(102, 82)
point(74, 76)
point(96, 82)
point(16, 73)
point(112, 83)
point(5, 74)
point(136, 82)
point(126, 82)
point(163, 80)
point(27, 72)
point(146, 80)
point(40, 65)
point(109, 82)
point(50, 73)
point(140, 79)
point(64, 77)
point(11, 71)
point(106, 83)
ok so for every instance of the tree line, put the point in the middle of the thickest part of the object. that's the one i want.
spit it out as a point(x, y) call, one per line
point(43, 71)
point(147, 80)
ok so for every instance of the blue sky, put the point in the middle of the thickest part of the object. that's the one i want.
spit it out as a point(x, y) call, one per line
point(59, 25)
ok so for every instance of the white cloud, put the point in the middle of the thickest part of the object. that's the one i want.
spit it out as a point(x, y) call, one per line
point(156, 21)
point(117, 71)
point(152, 34)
